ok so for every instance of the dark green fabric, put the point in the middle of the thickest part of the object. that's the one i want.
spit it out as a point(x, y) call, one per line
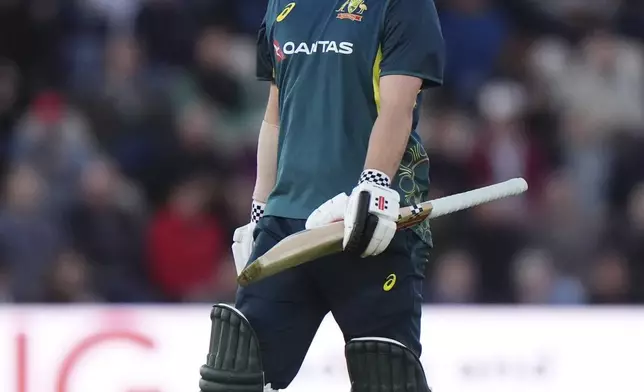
point(326, 58)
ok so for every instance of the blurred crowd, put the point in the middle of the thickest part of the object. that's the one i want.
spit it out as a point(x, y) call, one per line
point(128, 132)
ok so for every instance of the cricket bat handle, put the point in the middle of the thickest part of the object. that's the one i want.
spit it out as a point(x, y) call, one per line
point(461, 201)
point(447, 205)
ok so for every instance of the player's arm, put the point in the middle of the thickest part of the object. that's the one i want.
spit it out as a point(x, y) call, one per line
point(392, 128)
point(412, 59)
point(269, 131)
point(267, 149)
point(266, 154)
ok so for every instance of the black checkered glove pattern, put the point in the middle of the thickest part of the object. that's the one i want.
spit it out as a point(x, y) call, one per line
point(257, 211)
point(375, 176)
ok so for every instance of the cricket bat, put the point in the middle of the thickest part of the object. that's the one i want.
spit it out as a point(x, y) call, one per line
point(308, 245)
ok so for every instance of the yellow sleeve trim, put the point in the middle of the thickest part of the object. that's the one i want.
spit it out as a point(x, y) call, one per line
point(376, 78)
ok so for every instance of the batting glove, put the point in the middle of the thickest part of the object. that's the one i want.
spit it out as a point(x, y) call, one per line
point(331, 211)
point(243, 241)
point(371, 214)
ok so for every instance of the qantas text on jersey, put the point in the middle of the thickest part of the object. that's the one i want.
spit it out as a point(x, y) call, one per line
point(318, 47)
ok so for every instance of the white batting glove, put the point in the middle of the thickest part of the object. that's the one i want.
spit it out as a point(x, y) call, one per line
point(243, 237)
point(371, 214)
point(331, 211)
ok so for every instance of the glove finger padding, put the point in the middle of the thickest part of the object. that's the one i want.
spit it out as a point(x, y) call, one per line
point(239, 234)
point(381, 238)
point(242, 246)
point(331, 211)
point(238, 257)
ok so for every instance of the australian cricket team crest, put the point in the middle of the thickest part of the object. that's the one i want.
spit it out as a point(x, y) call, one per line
point(352, 10)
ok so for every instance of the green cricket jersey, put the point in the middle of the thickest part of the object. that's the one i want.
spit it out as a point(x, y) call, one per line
point(326, 58)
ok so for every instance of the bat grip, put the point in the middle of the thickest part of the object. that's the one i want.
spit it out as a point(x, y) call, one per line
point(448, 204)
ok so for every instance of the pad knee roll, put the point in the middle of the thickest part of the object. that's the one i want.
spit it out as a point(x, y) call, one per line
point(385, 365)
point(234, 360)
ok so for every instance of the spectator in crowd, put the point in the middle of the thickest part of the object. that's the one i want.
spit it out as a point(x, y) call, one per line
point(212, 80)
point(586, 157)
point(5, 282)
point(631, 232)
point(54, 139)
point(191, 149)
point(564, 227)
point(603, 82)
point(31, 35)
point(609, 279)
point(106, 226)
point(494, 240)
point(504, 150)
point(449, 138)
point(166, 30)
point(629, 19)
point(129, 113)
point(128, 131)
point(69, 280)
point(121, 96)
point(212, 72)
point(186, 246)
point(31, 235)
point(9, 106)
point(625, 171)
point(475, 32)
point(537, 282)
point(249, 12)
point(455, 280)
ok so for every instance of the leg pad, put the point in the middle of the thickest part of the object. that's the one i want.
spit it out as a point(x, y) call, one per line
point(383, 365)
point(234, 361)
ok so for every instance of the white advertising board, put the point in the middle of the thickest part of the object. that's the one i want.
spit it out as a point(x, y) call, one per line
point(160, 349)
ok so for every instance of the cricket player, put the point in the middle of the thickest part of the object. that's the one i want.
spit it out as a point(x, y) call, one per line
point(338, 142)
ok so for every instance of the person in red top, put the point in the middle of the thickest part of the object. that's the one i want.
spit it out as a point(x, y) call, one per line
point(186, 245)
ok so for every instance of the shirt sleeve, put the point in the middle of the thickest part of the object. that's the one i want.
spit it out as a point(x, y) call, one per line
point(264, 70)
point(412, 42)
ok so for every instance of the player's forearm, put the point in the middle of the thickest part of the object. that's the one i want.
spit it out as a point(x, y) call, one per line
point(266, 161)
point(267, 149)
point(389, 139)
point(390, 133)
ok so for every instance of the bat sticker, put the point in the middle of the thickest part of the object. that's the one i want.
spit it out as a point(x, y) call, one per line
point(416, 210)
